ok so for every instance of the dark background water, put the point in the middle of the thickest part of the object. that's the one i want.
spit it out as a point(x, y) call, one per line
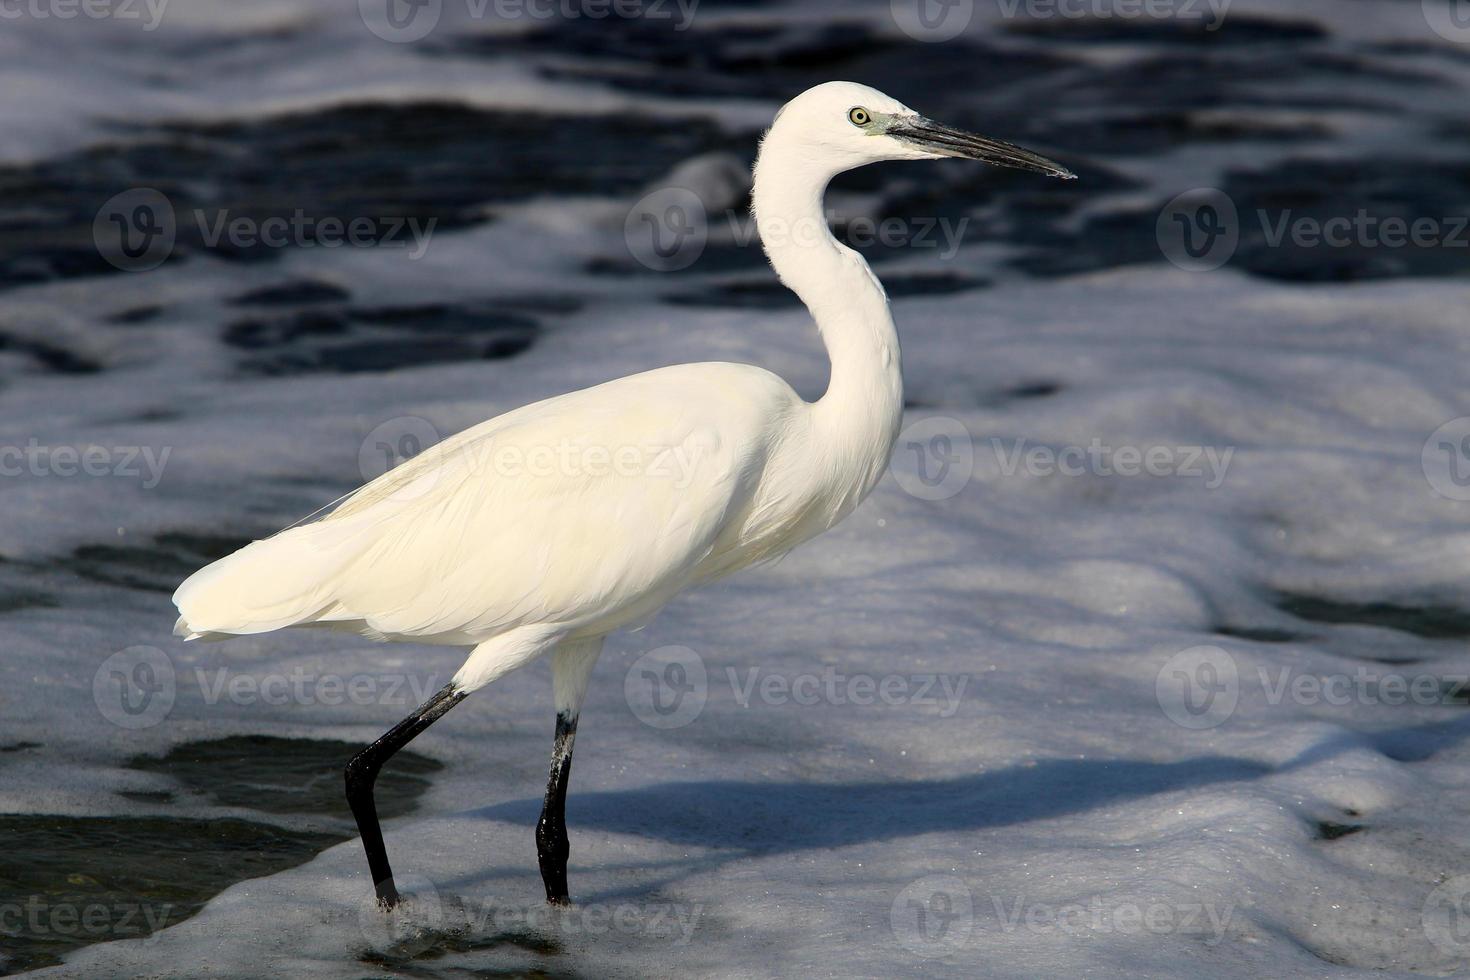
point(1283, 112)
point(1317, 111)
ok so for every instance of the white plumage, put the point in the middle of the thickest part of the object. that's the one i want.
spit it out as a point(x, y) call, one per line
point(567, 518)
point(554, 524)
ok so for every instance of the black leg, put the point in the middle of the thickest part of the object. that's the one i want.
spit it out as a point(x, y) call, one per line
point(552, 846)
point(362, 772)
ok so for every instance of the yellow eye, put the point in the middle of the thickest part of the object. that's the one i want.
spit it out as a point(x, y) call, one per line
point(859, 116)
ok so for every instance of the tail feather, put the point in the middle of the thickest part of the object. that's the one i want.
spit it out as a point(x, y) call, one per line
point(284, 580)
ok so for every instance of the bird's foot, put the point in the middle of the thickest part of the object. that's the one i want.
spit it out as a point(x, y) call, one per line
point(559, 901)
point(388, 898)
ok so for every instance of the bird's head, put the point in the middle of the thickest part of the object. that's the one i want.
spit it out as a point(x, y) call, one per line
point(842, 125)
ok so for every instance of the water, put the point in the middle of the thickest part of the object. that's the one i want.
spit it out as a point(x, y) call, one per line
point(134, 875)
point(1038, 797)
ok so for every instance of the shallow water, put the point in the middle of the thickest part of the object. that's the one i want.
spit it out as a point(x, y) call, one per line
point(254, 384)
point(130, 876)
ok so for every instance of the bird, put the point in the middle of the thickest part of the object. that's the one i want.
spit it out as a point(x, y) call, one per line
point(469, 544)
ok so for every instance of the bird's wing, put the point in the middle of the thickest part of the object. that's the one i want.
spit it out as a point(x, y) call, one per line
point(572, 510)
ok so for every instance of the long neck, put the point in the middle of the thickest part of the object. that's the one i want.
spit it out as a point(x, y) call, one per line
point(859, 416)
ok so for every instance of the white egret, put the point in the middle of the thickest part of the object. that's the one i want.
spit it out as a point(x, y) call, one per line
point(457, 546)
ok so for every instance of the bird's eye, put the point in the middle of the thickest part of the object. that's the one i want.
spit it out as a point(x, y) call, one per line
point(859, 116)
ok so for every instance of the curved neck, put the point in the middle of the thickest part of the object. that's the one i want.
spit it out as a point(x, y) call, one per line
point(860, 413)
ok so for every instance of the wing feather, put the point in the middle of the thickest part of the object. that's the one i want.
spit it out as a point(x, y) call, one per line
point(591, 507)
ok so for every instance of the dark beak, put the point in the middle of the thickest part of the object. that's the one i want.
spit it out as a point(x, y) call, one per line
point(957, 143)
